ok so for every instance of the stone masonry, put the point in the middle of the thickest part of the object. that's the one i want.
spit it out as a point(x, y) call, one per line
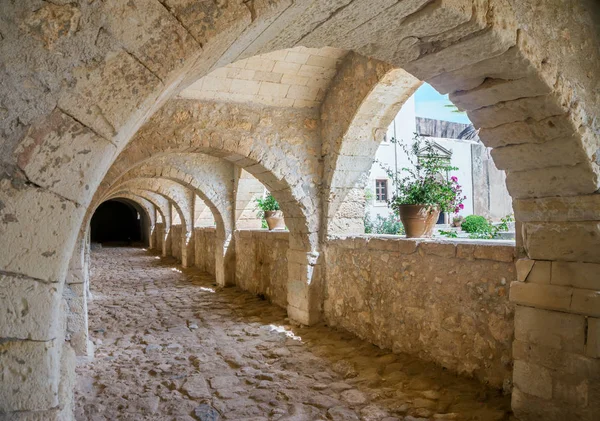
point(163, 102)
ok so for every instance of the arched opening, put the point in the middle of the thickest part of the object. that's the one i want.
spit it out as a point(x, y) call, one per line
point(119, 222)
point(498, 63)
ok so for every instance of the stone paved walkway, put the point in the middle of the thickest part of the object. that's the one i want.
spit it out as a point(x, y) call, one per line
point(170, 346)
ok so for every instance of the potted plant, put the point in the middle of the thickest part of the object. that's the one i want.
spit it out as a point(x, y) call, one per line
point(424, 190)
point(269, 210)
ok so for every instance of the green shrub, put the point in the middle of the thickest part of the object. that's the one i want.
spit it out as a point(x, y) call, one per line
point(381, 225)
point(475, 224)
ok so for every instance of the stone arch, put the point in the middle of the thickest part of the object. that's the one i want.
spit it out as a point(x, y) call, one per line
point(163, 209)
point(212, 180)
point(181, 199)
point(82, 121)
point(148, 207)
point(247, 190)
point(289, 168)
point(371, 93)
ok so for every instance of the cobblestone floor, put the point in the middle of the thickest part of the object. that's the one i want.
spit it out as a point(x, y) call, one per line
point(170, 346)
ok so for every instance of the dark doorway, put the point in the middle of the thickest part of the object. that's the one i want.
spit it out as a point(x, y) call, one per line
point(118, 222)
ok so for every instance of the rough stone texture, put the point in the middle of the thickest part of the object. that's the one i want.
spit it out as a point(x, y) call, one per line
point(443, 307)
point(261, 264)
point(205, 241)
point(176, 232)
point(280, 147)
point(355, 115)
point(230, 351)
point(85, 76)
point(297, 77)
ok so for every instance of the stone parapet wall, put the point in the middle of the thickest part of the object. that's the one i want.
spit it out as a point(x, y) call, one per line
point(205, 243)
point(262, 264)
point(445, 302)
point(159, 230)
point(176, 232)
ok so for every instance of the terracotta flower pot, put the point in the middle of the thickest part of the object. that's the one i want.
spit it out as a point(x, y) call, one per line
point(275, 220)
point(418, 220)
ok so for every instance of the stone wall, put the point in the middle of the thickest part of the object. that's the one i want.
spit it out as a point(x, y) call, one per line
point(261, 265)
point(443, 302)
point(205, 243)
point(176, 232)
point(159, 230)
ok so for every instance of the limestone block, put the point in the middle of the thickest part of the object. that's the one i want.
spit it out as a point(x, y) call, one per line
point(495, 252)
point(30, 375)
point(570, 241)
point(536, 108)
point(29, 308)
point(438, 249)
point(566, 208)
point(586, 301)
point(99, 105)
point(572, 392)
point(576, 274)
point(407, 246)
point(65, 157)
point(529, 131)
point(510, 65)
point(532, 379)
point(146, 34)
point(541, 272)
point(550, 329)
point(528, 156)
point(524, 266)
point(573, 180)
point(37, 248)
point(493, 91)
point(464, 53)
point(382, 244)
point(67, 381)
point(592, 348)
point(541, 295)
point(566, 364)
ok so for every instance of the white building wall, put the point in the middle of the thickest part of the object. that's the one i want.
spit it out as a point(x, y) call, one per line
point(403, 128)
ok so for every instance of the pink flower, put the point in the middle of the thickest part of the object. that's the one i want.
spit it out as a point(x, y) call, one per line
point(461, 206)
point(454, 178)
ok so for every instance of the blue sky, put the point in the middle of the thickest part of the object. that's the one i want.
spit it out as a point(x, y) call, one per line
point(429, 103)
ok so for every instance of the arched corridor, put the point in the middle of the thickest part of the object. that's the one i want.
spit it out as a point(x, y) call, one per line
point(117, 221)
point(186, 109)
point(170, 344)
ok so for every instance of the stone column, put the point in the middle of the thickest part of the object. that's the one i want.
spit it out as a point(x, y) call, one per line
point(305, 286)
point(187, 234)
point(557, 319)
point(75, 293)
point(167, 249)
point(225, 259)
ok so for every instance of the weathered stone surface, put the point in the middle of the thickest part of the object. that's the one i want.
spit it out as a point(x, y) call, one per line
point(551, 329)
point(38, 248)
point(592, 348)
point(570, 241)
point(569, 208)
point(245, 348)
point(535, 379)
point(29, 308)
point(261, 264)
point(29, 380)
point(369, 290)
point(575, 274)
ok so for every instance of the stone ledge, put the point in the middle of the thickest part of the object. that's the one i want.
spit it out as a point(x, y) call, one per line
point(196, 229)
point(263, 232)
point(501, 251)
point(556, 297)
